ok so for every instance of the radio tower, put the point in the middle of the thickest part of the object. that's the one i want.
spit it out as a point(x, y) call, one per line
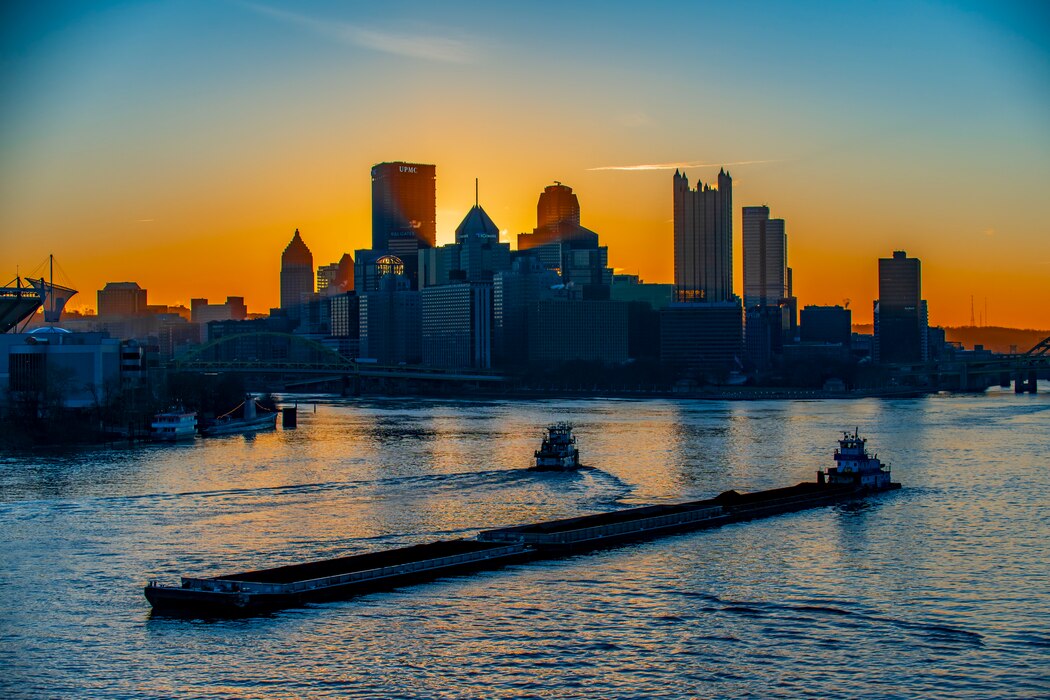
point(972, 323)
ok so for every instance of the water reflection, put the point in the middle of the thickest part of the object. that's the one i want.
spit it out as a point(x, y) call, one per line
point(945, 578)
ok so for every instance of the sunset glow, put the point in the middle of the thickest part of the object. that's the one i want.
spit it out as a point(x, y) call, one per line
point(179, 145)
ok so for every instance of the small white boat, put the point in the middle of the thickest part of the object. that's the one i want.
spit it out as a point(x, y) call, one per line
point(174, 425)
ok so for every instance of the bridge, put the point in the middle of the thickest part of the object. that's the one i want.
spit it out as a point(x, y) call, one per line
point(296, 362)
point(979, 373)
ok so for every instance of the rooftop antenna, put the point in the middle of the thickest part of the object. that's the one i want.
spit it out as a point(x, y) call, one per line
point(475, 192)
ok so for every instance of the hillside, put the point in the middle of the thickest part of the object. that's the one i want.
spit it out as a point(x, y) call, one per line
point(995, 338)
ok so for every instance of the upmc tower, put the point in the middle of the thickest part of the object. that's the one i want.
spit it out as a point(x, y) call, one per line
point(404, 211)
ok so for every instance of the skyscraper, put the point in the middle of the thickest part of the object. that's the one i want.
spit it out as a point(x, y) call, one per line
point(121, 300)
point(560, 243)
point(557, 205)
point(900, 312)
point(297, 273)
point(557, 227)
point(765, 258)
point(404, 211)
point(703, 240)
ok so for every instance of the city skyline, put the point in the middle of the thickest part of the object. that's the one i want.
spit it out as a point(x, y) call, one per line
point(156, 152)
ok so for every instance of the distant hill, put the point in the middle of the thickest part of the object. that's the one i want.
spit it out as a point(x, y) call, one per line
point(994, 338)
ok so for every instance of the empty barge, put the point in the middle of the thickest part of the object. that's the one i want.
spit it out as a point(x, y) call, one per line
point(855, 475)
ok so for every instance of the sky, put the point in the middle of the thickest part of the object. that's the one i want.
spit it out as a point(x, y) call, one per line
point(180, 144)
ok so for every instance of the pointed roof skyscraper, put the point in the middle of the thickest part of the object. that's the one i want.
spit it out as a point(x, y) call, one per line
point(297, 252)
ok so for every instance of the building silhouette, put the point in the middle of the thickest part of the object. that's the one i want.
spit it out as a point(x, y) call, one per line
point(901, 318)
point(703, 239)
point(702, 331)
point(560, 243)
point(476, 256)
point(371, 266)
point(705, 337)
point(390, 322)
point(765, 258)
point(337, 277)
point(826, 324)
point(769, 307)
point(457, 325)
point(121, 300)
point(565, 330)
point(515, 293)
point(297, 274)
point(404, 211)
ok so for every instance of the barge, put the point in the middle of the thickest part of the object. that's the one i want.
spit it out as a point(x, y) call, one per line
point(290, 586)
point(855, 475)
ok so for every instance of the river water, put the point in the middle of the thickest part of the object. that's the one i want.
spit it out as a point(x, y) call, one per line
point(941, 589)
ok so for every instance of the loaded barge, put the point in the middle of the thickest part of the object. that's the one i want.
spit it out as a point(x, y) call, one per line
point(855, 475)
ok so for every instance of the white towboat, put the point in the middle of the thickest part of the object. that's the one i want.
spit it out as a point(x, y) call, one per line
point(558, 450)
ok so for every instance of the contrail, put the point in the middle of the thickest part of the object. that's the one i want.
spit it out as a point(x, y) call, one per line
point(433, 48)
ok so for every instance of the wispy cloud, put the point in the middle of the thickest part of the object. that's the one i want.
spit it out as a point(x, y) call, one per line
point(680, 166)
point(431, 48)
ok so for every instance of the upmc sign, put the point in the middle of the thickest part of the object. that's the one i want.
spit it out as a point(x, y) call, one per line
point(408, 169)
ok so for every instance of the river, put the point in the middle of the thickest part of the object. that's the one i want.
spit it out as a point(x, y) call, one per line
point(941, 589)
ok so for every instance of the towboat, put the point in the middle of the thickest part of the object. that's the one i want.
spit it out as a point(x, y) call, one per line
point(558, 450)
point(856, 475)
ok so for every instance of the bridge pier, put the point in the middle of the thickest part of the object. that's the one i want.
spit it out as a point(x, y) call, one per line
point(1023, 384)
point(1004, 380)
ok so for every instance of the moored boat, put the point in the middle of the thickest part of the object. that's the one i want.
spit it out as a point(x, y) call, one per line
point(255, 419)
point(173, 425)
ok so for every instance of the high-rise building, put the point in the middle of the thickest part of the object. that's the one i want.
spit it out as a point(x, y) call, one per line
point(390, 322)
point(337, 277)
point(765, 258)
point(515, 292)
point(481, 255)
point(561, 244)
point(404, 211)
point(121, 300)
point(564, 330)
point(706, 337)
point(631, 288)
point(371, 266)
point(557, 205)
point(826, 324)
point(457, 325)
point(703, 240)
point(558, 228)
point(900, 312)
point(297, 274)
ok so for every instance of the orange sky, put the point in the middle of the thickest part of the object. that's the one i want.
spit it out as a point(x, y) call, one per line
point(180, 145)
